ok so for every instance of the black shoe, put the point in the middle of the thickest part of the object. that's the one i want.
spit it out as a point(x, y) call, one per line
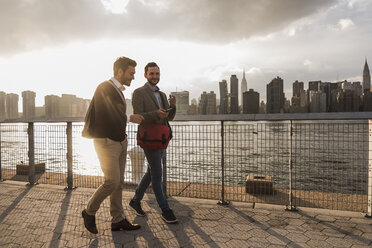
point(89, 222)
point(137, 207)
point(124, 225)
point(168, 216)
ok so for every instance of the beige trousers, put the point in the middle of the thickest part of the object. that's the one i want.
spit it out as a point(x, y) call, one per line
point(112, 156)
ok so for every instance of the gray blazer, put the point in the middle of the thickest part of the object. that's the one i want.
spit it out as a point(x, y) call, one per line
point(145, 103)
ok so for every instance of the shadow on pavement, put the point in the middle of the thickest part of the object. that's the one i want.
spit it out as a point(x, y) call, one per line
point(265, 228)
point(14, 203)
point(337, 229)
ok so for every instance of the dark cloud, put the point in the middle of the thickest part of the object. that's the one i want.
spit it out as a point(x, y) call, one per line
point(34, 24)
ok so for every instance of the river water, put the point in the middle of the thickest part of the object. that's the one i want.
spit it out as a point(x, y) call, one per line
point(329, 156)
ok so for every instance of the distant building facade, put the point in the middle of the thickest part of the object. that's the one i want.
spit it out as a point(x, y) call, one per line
point(234, 95)
point(366, 78)
point(12, 105)
point(182, 102)
point(66, 106)
point(317, 102)
point(193, 109)
point(243, 88)
point(207, 104)
point(211, 103)
point(251, 102)
point(3, 105)
point(28, 104)
point(299, 98)
point(275, 96)
point(51, 106)
point(367, 101)
point(223, 97)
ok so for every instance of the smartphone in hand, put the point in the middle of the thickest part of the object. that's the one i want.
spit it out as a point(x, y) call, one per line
point(167, 110)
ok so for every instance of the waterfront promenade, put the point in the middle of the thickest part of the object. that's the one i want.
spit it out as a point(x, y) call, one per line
point(49, 216)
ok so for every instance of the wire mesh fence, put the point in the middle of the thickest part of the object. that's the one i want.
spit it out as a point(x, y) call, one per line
point(331, 164)
point(14, 149)
point(321, 164)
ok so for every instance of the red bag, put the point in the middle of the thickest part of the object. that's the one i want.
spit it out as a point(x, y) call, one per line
point(153, 136)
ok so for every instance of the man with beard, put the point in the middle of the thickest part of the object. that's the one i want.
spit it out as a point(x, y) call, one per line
point(152, 104)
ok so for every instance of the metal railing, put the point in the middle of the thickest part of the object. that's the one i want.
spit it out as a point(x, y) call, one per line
point(314, 160)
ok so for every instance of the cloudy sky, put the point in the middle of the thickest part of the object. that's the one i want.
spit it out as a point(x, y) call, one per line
point(69, 46)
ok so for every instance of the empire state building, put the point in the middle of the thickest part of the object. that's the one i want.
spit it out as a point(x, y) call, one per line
point(366, 78)
point(243, 87)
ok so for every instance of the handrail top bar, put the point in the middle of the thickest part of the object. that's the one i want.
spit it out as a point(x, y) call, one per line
point(279, 117)
point(227, 117)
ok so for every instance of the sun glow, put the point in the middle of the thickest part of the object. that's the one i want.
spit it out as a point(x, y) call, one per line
point(115, 6)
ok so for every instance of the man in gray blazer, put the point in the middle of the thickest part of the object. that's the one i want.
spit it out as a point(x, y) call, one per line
point(152, 104)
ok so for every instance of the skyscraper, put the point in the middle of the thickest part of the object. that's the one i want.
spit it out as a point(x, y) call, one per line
point(223, 97)
point(202, 108)
point(317, 101)
point(314, 85)
point(366, 78)
point(12, 105)
point(243, 87)
point(299, 99)
point(28, 103)
point(182, 101)
point(51, 106)
point(234, 95)
point(211, 103)
point(275, 96)
point(2, 105)
point(251, 102)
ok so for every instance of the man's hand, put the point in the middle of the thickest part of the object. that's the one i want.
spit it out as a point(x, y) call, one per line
point(162, 114)
point(136, 118)
point(172, 101)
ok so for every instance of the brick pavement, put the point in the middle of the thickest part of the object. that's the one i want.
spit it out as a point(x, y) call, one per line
point(49, 216)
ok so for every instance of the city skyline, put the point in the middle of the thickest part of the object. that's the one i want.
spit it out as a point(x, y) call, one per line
point(319, 97)
point(54, 47)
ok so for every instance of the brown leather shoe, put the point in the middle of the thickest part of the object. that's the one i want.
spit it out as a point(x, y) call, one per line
point(89, 222)
point(124, 225)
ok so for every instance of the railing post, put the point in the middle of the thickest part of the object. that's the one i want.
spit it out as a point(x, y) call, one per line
point(1, 173)
point(222, 201)
point(291, 206)
point(31, 154)
point(164, 158)
point(69, 155)
point(369, 210)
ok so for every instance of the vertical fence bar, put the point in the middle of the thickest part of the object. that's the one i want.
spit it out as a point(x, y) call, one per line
point(164, 158)
point(1, 173)
point(31, 153)
point(291, 206)
point(369, 213)
point(69, 155)
point(222, 201)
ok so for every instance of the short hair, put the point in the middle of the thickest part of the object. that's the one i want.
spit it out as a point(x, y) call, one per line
point(151, 64)
point(123, 63)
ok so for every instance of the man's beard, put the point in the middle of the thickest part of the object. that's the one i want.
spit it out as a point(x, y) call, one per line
point(154, 81)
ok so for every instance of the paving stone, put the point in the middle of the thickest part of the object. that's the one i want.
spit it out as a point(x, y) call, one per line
point(278, 240)
point(315, 235)
point(237, 243)
point(360, 246)
point(332, 233)
point(367, 228)
point(338, 242)
point(318, 243)
point(242, 227)
point(297, 237)
point(325, 218)
point(358, 240)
